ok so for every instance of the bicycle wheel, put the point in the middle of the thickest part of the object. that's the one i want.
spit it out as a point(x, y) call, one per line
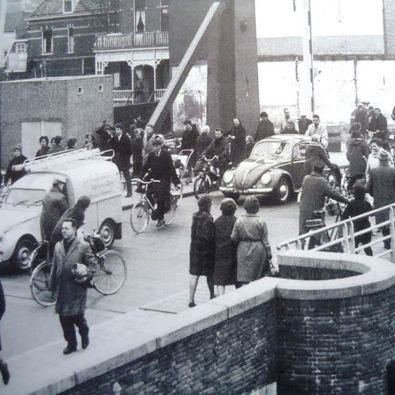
point(201, 186)
point(139, 217)
point(111, 274)
point(39, 285)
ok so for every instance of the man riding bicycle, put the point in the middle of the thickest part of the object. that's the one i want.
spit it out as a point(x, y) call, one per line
point(218, 147)
point(159, 166)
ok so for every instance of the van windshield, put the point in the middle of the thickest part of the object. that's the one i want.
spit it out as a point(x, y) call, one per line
point(24, 197)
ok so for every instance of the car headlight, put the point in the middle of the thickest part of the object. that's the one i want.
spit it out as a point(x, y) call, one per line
point(266, 178)
point(228, 177)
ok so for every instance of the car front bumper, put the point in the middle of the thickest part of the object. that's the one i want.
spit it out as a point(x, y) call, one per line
point(248, 191)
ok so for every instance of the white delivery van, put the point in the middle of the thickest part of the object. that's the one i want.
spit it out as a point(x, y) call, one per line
point(85, 172)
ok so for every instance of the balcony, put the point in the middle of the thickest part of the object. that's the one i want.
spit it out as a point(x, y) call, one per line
point(127, 96)
point(132, 40)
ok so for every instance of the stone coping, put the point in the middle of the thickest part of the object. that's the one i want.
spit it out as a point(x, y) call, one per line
point(123, 339)
point(374, 275)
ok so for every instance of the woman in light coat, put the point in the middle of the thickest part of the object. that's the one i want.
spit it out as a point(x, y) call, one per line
point(253, 250)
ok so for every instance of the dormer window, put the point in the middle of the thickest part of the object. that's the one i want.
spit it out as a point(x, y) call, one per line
point(68, 6)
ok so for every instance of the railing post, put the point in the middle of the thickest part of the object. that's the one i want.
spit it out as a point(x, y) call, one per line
point(351, 240)
point(346, 239)
point(392, 232)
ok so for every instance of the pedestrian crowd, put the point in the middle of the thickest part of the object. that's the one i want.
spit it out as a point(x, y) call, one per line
point(230, 250)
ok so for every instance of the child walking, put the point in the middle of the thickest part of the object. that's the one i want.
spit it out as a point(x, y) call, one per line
point(359, 206)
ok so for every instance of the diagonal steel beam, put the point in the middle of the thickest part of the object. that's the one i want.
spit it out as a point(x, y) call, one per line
point(185, 66)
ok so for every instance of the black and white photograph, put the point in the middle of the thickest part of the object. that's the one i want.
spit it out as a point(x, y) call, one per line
point(197, 197)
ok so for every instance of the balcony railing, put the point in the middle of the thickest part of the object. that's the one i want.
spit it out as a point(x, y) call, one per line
point(131, 40)
point(127, 96)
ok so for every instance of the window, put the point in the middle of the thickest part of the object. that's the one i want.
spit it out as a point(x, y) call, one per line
point(139, 16)
point(20, 47)
point(67, 6)
point(164, 3)
point(100, 88)
point(47, 41)
point(164, 19)
point(80, 90)
point(70, 39)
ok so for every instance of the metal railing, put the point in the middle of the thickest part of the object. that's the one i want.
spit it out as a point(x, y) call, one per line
point(159, 94)
point(121, 96)
point(131, 40)
point(341, 234)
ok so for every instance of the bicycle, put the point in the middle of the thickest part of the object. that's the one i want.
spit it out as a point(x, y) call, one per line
point(141, 212)
point(317, 239)
point(208, 179)
point(107, 280)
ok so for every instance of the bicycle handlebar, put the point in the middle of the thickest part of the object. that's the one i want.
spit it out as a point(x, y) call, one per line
point(209, 160)
point(139, 180)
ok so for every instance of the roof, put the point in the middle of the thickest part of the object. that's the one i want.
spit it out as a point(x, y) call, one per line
point(54, 8)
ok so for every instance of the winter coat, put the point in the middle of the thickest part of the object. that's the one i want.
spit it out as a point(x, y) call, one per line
point(202, 142)
point(303, 124)
point(357, 155)
point(12, 174)
point(43, 151)
point(314, 190)
point(250, 232)
point(202, 248)
point(71, 295)
point(55, 149)
point(225, 251)
point(381, 186)
point(265, 129)
point(238, 144)
point(161, 167)
point(122, 151)
point(189, 138)
point(314, 152)
point(218, 147)
point(54, 204)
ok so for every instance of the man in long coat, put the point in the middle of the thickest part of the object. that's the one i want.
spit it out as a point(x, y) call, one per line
point(381, 186)
point(315, 189)
point(265, 127)
point(120, 143)
point(71, 291)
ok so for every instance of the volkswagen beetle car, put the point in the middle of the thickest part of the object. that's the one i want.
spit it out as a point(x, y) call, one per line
point(274, 168)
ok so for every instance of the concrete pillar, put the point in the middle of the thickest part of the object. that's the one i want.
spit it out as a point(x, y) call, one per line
point(232, 80)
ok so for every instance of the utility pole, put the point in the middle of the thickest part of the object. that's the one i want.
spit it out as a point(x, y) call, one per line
point(308, 60)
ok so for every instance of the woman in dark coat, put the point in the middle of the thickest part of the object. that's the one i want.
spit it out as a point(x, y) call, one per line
point(225, 248)
point(238, 142)
point(3, 366)
point(15, 170)
point(202, 250)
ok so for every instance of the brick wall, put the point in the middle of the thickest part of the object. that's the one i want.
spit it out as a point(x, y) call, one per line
point(235, 356)
point(307, 337)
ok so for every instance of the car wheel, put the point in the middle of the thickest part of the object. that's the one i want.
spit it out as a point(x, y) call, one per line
point(107, 233)
point(23, 249)
point(234, 196)
point(283, 191)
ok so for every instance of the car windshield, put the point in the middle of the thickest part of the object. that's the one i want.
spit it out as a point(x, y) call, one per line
point(272, 148)
point(24, 197)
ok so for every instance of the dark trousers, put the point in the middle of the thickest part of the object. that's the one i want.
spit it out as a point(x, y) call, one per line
point(126, 174)
point(68, 323)
point(159, 193)
point(352, 181)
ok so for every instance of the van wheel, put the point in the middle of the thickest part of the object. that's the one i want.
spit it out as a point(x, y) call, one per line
point(21, 257)
point(107, 232)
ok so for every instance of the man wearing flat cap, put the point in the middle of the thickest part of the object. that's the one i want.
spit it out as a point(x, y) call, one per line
point(381, 186)
point(159, 166)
